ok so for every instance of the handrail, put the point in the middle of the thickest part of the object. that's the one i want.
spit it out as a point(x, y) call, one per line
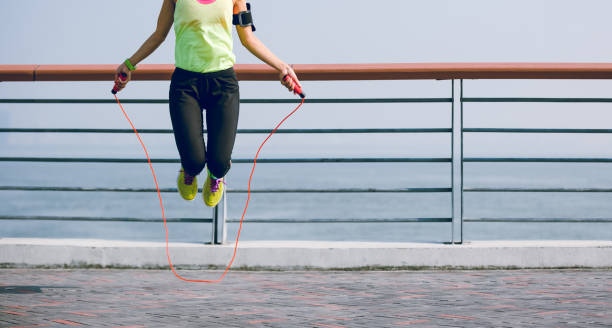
point(327, 72)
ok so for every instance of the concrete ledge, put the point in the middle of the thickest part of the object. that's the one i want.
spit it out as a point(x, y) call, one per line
point(305, 254)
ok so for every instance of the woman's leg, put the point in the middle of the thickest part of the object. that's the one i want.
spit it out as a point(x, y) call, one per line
point(186, 116)
point(222, 109)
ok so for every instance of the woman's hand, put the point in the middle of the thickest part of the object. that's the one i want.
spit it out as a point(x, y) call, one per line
point(292, 79)
point(122, 83)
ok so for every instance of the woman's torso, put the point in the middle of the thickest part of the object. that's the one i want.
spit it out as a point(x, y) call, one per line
point(203, 30)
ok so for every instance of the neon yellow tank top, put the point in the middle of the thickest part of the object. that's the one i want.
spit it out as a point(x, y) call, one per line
point(203, 30)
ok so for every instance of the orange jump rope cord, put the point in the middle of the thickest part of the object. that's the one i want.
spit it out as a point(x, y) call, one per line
point(245, 207)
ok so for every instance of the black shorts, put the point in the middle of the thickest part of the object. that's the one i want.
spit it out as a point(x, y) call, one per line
point(218, 94)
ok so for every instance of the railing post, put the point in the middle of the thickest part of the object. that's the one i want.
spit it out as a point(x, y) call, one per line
point(457, 161)
point(461, 188)
point(219, 217)
point(213, 228)
point(224, 217)
point(452, 168)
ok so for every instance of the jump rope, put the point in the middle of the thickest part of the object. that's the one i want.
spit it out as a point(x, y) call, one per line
point(296, 90)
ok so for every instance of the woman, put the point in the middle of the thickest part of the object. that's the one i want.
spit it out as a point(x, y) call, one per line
point(204, 78)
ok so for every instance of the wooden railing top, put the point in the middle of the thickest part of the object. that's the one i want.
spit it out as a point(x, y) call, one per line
point(327, 72)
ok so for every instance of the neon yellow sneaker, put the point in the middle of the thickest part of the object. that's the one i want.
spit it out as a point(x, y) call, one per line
point(187, 185)
point(212, 191)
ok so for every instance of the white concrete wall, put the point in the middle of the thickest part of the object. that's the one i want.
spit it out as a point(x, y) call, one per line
point(307, 254)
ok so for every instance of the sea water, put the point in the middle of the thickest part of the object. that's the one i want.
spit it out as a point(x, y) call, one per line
point(333, 206)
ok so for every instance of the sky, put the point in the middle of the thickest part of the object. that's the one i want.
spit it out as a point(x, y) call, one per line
point(323, 31)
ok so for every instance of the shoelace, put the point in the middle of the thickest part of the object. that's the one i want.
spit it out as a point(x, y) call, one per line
point(188, 179)
point(214, 184)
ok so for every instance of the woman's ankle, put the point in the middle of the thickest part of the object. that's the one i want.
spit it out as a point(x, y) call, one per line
point(212, 176)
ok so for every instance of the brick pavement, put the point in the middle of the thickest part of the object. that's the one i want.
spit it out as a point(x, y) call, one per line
point(327, 299)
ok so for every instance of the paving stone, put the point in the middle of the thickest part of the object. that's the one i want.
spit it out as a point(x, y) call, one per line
point(327, 299)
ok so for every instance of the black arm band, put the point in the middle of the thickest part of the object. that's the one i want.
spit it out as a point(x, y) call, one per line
point(244, 18)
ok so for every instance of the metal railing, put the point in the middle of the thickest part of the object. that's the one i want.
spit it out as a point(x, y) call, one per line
point(456, 73)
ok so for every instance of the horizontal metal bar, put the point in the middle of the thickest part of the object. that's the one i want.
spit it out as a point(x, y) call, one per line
point(102, 219)
point(236, 161)
point(541, 220)
point(541, 159)
point(537, 100)
point(348, 100)
point(367, 220)
point(60, 130)
point(513, 130)
point(85, 160)
point(255, 220)
point(324, 220)
point(81, 101)
point(85, 189)
point(243, 101)
point(324, 101)
point(173, 190)
point(345, 190)
point(305, 131)
point(537, 189)
point(239, 131)
point(259, 131)
point(309, 160)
